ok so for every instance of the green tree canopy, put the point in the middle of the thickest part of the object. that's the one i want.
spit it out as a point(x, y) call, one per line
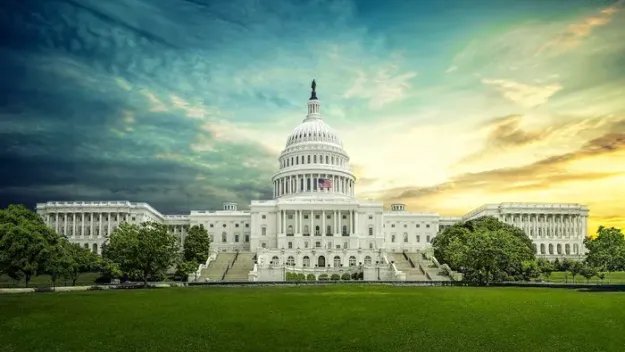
point(607, 249)
point(26, 243)
point(486, 250)
point(145, 251)
point(196, 245)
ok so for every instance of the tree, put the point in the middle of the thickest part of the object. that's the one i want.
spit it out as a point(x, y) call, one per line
point(607, 249)
point(195, 251)
point(587, 271)
point(145, 251)
point(575, 268)
point(196, 245)
point(488, 256)
point(57, 263)
point(530, 270)
point(79, 260)
point(546, 267)
point(486, 250)
point(25, 242)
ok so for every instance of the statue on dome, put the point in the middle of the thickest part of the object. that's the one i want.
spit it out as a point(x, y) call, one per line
point(313, 94)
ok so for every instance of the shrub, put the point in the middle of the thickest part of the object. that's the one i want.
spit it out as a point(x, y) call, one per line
point(361, 276)
point(291, 276)
point(335, 277)
point(323, 277)
point(311, 277)
point(355, 276)
point(345, 276)
point(301, 277)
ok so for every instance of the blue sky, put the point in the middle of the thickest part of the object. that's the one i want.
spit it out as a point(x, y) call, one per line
point(442, 105)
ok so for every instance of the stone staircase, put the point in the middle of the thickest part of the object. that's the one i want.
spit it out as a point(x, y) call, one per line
point(242, 266)
point(402, 264)
point(435, 274)
point(217, 267)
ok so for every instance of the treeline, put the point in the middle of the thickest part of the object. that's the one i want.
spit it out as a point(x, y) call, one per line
point(146, 252)
point(486, 250)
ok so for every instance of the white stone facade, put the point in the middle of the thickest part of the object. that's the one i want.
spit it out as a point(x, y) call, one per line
point(314, 220)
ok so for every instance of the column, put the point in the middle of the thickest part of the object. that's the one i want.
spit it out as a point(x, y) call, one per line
point(356, 222)
point(283, 221)
point(312, 223)
point(73, 224)
point(65, 223)
point(323, 223)
point(351, 222)
point(91, 224)
point(108, 230)
point(336, 220)
point(82, 226)
point(299, 223)
point(278, 221)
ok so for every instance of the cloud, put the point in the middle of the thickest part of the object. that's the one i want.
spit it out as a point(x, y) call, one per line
point(382, 88)
point(525, 95)
point(535, 177)
point(451, 69)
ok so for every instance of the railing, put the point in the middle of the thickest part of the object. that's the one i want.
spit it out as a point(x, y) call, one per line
point(230, 265)
point(409, 259)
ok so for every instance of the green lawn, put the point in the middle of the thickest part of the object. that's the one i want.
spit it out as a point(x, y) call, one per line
point(85, 279)
point(561, 277)
point(319, 318)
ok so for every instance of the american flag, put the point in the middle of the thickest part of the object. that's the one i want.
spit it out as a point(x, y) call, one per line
point(325, 183)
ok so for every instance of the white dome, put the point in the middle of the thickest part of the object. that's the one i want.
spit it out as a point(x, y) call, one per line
point(314, 130)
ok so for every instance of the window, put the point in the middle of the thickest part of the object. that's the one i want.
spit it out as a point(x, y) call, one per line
point(275, 260)
point(290, 245)
point(370, 217)
point(306, 217)
point(210, 225)
point(290, 261)
point(317, 217)
point(559, 248)
point(344, 217)
point(345, 245)
point(328, 217)
point(370, 230)
point(224, 225)
point(427, 226)
point(337, 261)
point(367, 260)
point(550, 248)
point(392, 225)
point(352, 261)
point(309, 159)
point(405, 237)
point(542, 248)
point(263, 245)
point(328, 230)
point(223, 237)
point(535, 248)
point(247, 238)
point(392, 238)
point(567, 249)
point(345, 230)
point(405, 225)
point(290, 217)
point(306, 262)
point(306, 232)
point(247, 225)
point(264, 216)
point(263, 231)
point(317, 231)
point(318, 244)
point(236, 225)
point(418, 225)
point(418, 239)
point(306, 244)
point(289, 230)
point(236, 238)
point(370, 245)
point(428, 238)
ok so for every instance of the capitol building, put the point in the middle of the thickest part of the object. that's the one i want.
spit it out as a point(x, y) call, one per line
point(314, 225)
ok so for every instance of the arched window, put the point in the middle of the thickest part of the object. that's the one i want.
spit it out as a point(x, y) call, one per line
point(550, 248)
point(315, 159)
point(337, 261)
point(567, 249)
point(352, 261)
point(559, 248)
point(263, 231)
point(535, 249)
point(321, 261)
point(317, 231)
point(290, 261)
point(275, 260)
point(86, 246)
point(95, 248)
point(306, 260)
point(327, 160)
point(328, 230)
point(306, 232)
point(575, 249)
point(542, 248)
point(289, 230)
point(367, 260)
point(223, 237)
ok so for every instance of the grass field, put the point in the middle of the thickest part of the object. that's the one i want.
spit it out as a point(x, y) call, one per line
point(85, 279)
point(319, 318)
point(614, 278)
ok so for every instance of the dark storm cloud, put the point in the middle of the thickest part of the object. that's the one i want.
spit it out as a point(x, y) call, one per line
point(78, 119)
